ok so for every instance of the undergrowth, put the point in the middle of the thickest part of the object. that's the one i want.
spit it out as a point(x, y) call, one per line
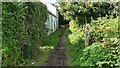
point(50, 43)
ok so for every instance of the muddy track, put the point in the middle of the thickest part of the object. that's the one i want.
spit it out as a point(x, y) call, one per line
point(58, 57)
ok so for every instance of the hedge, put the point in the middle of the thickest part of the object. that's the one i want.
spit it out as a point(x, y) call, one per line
point(23, 28)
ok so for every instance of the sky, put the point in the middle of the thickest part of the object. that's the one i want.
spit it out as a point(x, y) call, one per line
point(52, 1)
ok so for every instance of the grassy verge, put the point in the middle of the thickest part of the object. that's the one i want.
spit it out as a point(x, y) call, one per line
point(74, 51)
point(68, 47)
point(52, 39)
point(50, 43)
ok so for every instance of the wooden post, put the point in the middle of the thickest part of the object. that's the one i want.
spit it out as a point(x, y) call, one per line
point(87, 35)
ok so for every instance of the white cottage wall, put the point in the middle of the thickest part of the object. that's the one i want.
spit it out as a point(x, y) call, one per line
point(52, 22)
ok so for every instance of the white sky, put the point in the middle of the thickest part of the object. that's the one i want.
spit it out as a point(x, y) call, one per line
point(51, 1)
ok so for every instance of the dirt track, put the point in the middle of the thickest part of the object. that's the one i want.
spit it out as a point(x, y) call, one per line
point(58, 57)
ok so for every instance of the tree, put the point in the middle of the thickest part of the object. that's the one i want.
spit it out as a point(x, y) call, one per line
point(83, 12)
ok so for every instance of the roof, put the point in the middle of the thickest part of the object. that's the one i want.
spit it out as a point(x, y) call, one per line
point(50, 7)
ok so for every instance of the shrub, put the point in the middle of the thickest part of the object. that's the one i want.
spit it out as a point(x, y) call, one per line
point(104, 28)
point(92, 54)
point(73, 26)
point(98, 55)
point(77, 33)
point(23, 26)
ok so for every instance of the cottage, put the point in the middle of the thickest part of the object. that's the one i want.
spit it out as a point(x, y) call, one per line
point(52, 21)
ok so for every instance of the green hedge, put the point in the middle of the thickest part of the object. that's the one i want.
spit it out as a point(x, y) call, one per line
point(23, 26)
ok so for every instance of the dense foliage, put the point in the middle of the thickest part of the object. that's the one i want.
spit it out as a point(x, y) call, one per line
point(103, 49)
point(98, 55)
point(103, 28)
point(23, 26)
point(86, 11)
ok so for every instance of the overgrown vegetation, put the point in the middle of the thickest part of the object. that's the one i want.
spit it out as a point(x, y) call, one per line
point(75, 48)
point(103, 49)
point(50, 43)
point(23, 26)
point(84, 12)
point(24, 36)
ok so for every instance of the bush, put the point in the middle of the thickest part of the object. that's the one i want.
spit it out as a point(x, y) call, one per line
point(103, 28)
point(77, 33)
point(23, 26)
point(36, 16)
point(92, 54)
point(105, 53)
point(98, 55)
point(73, 26)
